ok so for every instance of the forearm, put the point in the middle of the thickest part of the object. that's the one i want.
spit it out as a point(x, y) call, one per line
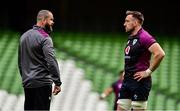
point(106, 92)
point(158, 55)
point(156, 60)
point(54, 70)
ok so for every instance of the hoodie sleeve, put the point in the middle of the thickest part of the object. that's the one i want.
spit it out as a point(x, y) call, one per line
point(48, 50)
point(19, 60)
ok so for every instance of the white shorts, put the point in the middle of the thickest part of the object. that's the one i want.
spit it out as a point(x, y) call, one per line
point(127, 104)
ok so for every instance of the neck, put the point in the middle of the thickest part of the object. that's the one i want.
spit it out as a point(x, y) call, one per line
point(39, 24)
point(135, 31)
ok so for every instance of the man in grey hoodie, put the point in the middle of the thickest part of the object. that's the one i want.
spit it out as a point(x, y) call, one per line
point(38, 65)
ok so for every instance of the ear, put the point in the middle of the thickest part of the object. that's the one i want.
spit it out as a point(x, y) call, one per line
point(136, 22)
point(44, 21)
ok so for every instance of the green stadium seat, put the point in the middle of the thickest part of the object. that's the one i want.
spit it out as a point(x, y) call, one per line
point(151, 100)
point(16, 87)
point(89, 71)
point(178, 106)
point(160, 102)
point(170, 104)
point(97, 80)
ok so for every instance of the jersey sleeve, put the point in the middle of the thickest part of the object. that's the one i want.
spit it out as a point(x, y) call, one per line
point(147, 40)
point(113, 85)
point(50, 57)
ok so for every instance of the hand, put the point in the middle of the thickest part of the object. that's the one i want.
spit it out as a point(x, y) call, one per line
point(140, 75)
point(56, 90)
point(102, 96)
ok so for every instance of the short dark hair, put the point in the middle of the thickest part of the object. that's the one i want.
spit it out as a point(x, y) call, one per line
point(136, 14)
point(43, 14)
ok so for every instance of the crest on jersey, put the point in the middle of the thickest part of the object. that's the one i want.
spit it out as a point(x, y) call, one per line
point(134, 41)
point(127, 49)
point(135, 96)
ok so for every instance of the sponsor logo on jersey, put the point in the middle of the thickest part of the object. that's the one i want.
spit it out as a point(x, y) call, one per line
point(127, 49)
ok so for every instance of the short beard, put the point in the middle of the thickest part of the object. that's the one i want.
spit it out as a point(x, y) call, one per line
point(48, 29)
point(130, 31)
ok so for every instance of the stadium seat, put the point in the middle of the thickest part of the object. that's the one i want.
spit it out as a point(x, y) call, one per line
point(19, 106)
point(170, 104)
point(75, 90)
point(3, 96)
point(9, 103)
point(160, 102)
point(178, 106)
point(151, 100)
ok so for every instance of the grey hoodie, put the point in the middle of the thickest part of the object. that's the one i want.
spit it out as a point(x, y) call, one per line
point(36, 59)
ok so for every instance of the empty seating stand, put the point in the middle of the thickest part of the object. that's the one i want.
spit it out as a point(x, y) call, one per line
point(105, 52)
point(92, 62)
